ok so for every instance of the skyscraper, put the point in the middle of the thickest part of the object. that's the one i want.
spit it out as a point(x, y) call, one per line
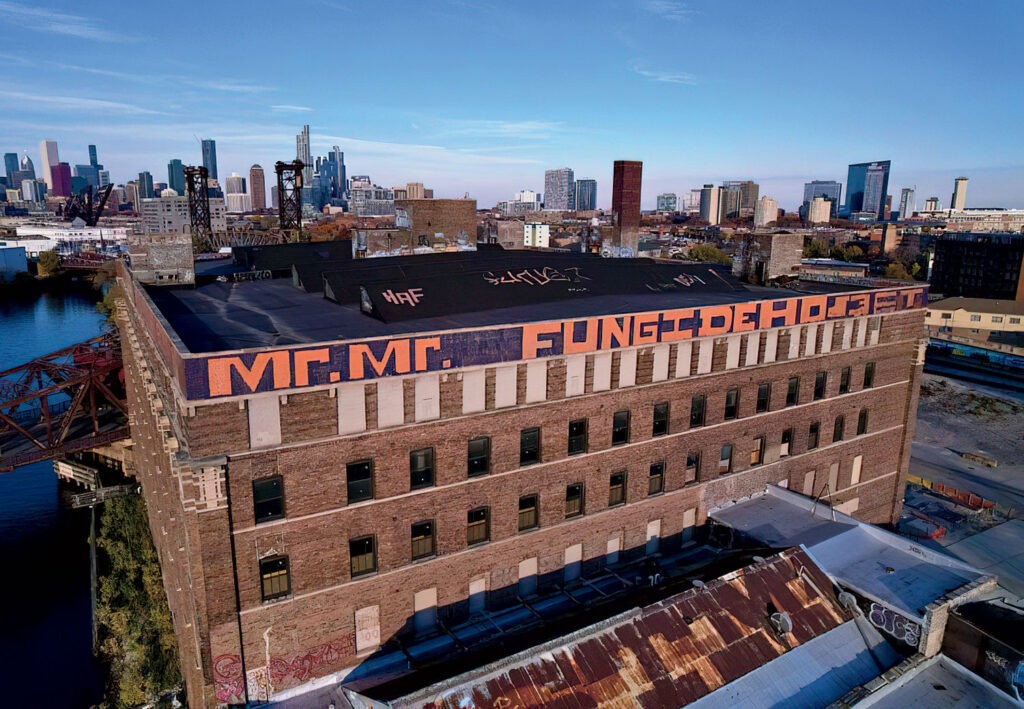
point(303, 153)
point(90, 174)
point(93, 160)
point(234, 184)
point(48, 152)
point(60, 174)
point(766, 212)
point(145, 185)
point(931, 204)
point(730, 198)
point(748, 193)
point(627, 177)
point(586, 194)
point(559, 189)
point(414, 190)
point(210, 157)
point(907, 203)
point(829, 189)
point(336, 159)
point(27, 166)
point(867, 183)
point(667, 202)
point(258, 188)
point(176, 176)
point(959, 194)
point(709, 199)
point(104, 177)
point(10, 166)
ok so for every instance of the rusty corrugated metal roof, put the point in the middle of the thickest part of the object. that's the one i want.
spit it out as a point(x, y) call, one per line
point(667, 654)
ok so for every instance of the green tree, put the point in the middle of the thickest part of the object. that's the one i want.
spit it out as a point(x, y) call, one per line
point(708, 253)
point(897, 271)
point(137, 640)
point(817, 248)
point(49, 264)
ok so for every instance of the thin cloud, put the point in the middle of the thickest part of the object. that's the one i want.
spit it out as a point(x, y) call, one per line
point(502, 129)
point(288, 107)
point(42, 20)
point(222, 85)
point(668, 77)
point(77, 104)
point(668, 9)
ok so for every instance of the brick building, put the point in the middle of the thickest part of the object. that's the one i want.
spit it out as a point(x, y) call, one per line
point(323, 477)
point(627, 179)
point(979, 265)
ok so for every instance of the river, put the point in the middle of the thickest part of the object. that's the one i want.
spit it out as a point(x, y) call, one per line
point(45, 626)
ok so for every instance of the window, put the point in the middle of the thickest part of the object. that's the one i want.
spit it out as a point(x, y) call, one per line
point(844, 381)
point(423, 539)
point(764, 397)
point(421, 468)
point(692, 466)
point(527, 512)
point(478, 526)
point(577, 436)
point(732, 403)
point(837, 430)
point(656, 481)
point(787, 443)
point(363, 555)
point(359, 480)
point(793, 391)
point(697, 410)
point(997, 318)
point(573, 500)
point(616, 489)
point(820, 382)
point(757, 455)
point(268, 498)
point(725, 460)
point(478, 456)
point(975, 318)
point(274, 578)
point(947, 316)
point(862, 422)
point(869, 375)
point(812, 436)
point(620, 428)
point(529, 446)
point(660, 427)
point(1015, 321)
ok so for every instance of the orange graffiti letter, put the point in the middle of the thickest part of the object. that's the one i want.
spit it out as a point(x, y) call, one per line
point(219, 372)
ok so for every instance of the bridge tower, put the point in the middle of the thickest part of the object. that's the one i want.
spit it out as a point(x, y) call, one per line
point(289, 199)
point(199, 208)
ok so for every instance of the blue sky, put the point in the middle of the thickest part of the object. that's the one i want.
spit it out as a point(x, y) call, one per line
point(481, 96)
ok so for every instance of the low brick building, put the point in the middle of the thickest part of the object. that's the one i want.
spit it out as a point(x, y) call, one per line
point(325, 476)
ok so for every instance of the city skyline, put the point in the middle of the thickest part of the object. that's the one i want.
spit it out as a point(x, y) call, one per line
point(402, 127)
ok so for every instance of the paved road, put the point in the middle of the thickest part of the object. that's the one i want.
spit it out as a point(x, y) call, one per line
point(943, 465)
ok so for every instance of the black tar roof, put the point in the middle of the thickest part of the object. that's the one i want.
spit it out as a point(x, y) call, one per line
point(217, 316)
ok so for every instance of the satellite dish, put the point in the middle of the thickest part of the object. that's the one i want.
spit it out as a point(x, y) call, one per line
point(781, 622)
point(697, 583)
point(758, 559)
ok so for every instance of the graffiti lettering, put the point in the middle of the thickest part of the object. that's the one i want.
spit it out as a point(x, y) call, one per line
point(227, 679)
point(536, 276)
point(409, 297)
point(250, 373)
point(895, 625)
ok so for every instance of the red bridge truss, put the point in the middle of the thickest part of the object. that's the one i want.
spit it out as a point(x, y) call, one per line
point(67, 401)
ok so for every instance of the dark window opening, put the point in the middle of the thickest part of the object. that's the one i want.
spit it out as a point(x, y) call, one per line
point(268, 498)
point(359, 481)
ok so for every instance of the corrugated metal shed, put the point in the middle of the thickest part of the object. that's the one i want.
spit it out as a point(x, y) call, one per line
point(667, 654)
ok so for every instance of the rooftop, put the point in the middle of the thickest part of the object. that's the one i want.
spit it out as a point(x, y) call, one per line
point(935, 683)
point(980, 305)
point(672, 652)
point(877, 564)
point(232, 307)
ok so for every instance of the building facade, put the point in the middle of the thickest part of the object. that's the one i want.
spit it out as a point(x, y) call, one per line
point(586, 195)
point(176, 176)
point(867, 183)
point(709, 204)
point(829, 189)
point(257, 188)
point(536, 235)
point(210, 157)
point(959, 200)
point(169, 215)
point(979, 265)
point(907, 203)
point(766, 212)
point(559, 190)
point(50, 157)
point(667, 202)
point(317, 500)
point(820, 211)
point(304, 153)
